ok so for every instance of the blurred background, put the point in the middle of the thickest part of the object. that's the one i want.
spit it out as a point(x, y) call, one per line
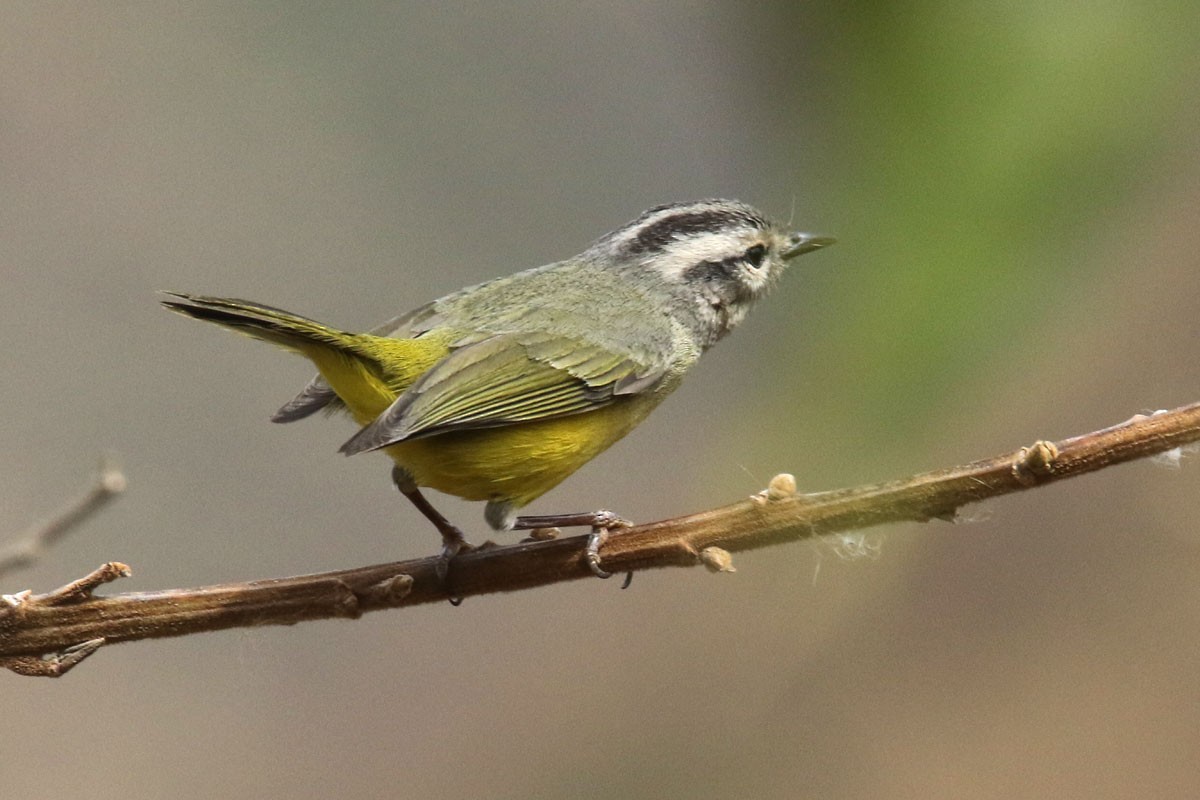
point(1015, 191)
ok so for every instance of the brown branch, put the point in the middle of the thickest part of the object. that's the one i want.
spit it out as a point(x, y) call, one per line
point(30, 546)
point(45, 634)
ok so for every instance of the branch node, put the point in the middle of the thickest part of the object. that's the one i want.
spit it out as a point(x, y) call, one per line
point(543, 534)
point(781, 487)
point(390, 590)
point(53, 665)
point(1034, 463)
point(80, 590)
point(16, 600)
point(717, 559)
point(13, 608)
point(345, 601)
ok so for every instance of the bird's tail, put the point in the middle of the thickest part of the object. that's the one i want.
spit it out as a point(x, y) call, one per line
point(274, 325)
point(352, 365)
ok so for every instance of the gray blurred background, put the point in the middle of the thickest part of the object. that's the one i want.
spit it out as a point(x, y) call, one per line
point(1016, 195)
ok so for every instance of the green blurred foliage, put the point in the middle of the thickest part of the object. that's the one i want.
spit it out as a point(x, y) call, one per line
point(981, 147)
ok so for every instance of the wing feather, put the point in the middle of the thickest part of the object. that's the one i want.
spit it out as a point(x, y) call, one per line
point(504, 380)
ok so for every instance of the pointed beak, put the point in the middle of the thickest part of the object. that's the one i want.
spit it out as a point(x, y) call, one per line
point(801, 243)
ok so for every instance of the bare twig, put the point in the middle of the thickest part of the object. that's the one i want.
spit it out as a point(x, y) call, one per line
point(29, 546)
point(32, 626)
point(54, 665)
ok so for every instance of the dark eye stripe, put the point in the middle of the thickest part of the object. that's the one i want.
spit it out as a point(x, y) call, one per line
point(714, 270)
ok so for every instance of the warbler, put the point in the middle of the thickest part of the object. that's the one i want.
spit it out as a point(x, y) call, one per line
point(499, 391)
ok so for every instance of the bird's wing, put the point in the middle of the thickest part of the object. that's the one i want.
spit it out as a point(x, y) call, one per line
point(508, 379)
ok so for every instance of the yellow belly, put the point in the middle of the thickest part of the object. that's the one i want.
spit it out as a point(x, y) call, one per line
point(517, 463)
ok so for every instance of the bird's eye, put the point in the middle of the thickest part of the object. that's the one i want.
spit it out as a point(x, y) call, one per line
point(755, 255)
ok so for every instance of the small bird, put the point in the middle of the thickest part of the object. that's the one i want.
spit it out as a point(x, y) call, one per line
point(499, 391)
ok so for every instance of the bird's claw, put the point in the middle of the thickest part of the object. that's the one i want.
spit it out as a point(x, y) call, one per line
point(598, 537)
point(596, 540)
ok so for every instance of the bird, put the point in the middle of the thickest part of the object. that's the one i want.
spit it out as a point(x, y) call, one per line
point(501, 390)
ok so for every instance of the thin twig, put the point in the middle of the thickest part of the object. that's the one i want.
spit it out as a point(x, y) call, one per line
point(54, 665)
point(29, 546)
point(48, 626)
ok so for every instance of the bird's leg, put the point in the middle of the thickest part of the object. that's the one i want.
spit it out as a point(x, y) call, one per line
point(453, 541)
point(601, 522)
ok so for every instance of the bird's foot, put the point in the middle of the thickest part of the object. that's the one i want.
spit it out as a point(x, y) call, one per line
point(451, 547)
point(601, 522)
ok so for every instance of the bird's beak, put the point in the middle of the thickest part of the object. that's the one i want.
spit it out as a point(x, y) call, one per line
point(801, 243)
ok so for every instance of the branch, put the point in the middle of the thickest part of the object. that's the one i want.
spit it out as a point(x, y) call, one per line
point(30, 546)
point(41, 633)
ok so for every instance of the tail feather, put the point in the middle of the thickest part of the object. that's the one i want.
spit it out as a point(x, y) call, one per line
point(259, 321)
point(359, 372)
point(316, 396)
